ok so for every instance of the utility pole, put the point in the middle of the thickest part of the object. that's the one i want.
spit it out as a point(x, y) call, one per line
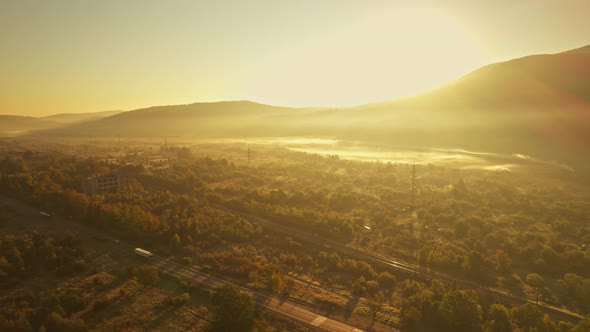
point(413, 187)
point(413, 208)
point(248, 154)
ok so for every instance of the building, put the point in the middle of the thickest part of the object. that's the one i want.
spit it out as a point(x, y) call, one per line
point(104, 184)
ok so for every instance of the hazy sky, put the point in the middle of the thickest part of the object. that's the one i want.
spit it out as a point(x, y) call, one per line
point(82, 56)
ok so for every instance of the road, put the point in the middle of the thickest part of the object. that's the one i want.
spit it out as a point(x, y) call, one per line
point(498, 296)
point(277, 305)
point(282, 307)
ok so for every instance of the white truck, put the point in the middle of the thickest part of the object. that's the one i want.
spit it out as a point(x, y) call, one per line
point(144, 253)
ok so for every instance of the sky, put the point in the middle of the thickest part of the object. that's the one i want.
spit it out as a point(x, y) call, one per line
point(86, 56)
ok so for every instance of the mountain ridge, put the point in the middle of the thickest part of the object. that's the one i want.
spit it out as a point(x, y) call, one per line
point(535, 104)
point(14, 125)
point(579, 50)
point(69, 118)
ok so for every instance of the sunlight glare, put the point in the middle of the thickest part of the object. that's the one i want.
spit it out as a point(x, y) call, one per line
point(392, 54)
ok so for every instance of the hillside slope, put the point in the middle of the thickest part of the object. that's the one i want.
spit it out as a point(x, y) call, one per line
point(14, 124)
point(538, 104)
point(70, 118)
point(193, 120)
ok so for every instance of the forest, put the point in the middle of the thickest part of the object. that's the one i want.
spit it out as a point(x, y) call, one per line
point(524, 233)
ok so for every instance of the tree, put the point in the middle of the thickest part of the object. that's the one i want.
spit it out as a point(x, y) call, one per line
point(386, 280)
point(528, 317)
point(22, 324)
point(253, 277)
point(474, 266)
point(187, 261)
point(565, 327)
point(13, 166)
point(72, 300)
point(146, 274)
point(503, 262)
point(537, 282)
point(5, 324)
point(498, 319)
point(359, 287)
point(232, 309)
point(372, 287)
point(573, 289)
point(418, 311)
point(175, 240)
point(583, 326)
point(276, 281)
point(75, 203)
point(56, 323)
point(460, 311)
point(375, 304)
point(411, 320)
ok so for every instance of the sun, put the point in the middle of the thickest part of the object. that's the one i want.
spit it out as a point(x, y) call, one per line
point(383, 56)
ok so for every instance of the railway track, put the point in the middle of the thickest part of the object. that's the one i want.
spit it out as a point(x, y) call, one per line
point(499, 297)
point(554, 313)
point(287, 308)
point(119, 249)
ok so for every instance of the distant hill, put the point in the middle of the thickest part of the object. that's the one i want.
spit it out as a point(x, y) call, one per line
point(537, 81)
point(538, 104)
point(69, 118)
point(11, 125)
point(226, 118)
